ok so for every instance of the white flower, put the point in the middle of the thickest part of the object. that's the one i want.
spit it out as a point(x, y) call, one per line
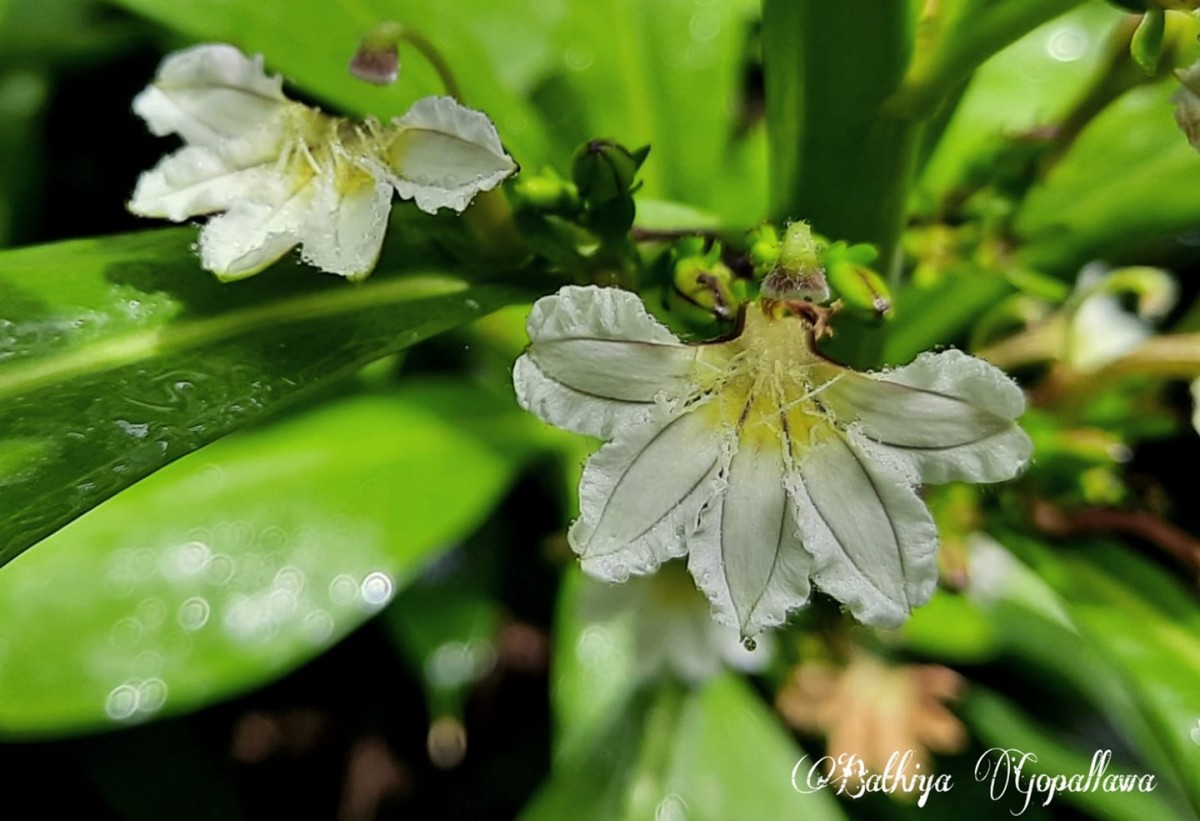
point(1100, 328)
point(285, 174)
point(672, 630)
point(764, 462)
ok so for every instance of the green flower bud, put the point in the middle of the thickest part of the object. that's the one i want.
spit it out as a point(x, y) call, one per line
point(1146, 45)
point(702, 290)
point(800, 252)
point(861, 289)
point(605, 171)
point(764, 245)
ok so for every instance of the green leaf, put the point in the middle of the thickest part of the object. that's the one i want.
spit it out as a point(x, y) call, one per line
point(668, 73)
point(1003, 725)
point(236, 563)
point(710, 754)
point(594, 671)
point(1142, 625)
point(119, 355)
point(1128, 180)
point(839, 156)
point(23, 95)
point(1030, 83)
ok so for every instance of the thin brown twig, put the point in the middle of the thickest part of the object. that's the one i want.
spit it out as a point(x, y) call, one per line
point(1141, 524)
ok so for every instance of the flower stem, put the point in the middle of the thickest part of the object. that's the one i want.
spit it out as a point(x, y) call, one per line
point(385, 39)
point(430, 52)
point(837, 158)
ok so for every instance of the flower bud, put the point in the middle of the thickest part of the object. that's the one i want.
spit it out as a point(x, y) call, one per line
point(706, 285)
point(605, 171)
point(1146, 45)
point(799, 272)
point(377, 60)
point(861, 289)
point(764, 245)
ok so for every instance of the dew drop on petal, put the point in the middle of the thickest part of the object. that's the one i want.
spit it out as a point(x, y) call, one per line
point(749, 644)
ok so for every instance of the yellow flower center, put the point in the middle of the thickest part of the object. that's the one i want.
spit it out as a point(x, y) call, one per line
point(764, 383)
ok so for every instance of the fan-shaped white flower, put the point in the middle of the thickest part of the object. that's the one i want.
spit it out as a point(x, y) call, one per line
point(764, 462)
point(285, 174)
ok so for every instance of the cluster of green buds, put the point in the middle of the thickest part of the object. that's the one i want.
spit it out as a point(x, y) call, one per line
point(804, 266)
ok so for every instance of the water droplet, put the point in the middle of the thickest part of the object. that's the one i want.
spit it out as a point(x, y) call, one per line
point(671, 808)
point(749, 644)
point(137, 431)
point(451, 665)
point(281, 604)
point(290, 578)
point(125, 634)
point(446, 743)
point(318, 626)
point(122, 702)
point(152, 612)
point(377, 588)
point(343, 590)
point(188, 559)
point(194, 613)
point(152, 695)
point(1068, 43)
point(578, 58)
point(219, 570)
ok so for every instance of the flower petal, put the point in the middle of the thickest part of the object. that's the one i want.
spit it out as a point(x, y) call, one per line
point(444, 153)
point(200, 179)
point(641, 494)
point(747, 556)
point(598, 361)
point(345, 228)
point(210, 93)
point(944, 417)
point(254, 233)
point(872, 539)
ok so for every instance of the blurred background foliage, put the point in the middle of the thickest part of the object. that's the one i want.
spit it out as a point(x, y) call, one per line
point(361, 602)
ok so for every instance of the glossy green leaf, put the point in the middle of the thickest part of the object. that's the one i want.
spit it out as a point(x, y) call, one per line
point(237, 563)
point(23, 95)
point(1130, 179)
point(1146, 628)
point(667, 73)
point(1029, 84)
point(1001, 724)
point(118, 355)
point(710, 754)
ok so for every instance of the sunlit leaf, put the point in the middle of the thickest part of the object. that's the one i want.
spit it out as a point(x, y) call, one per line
point(236, 563)
point(1003, 725)
point(713, 753)
point(118, 355)
point(1130, 179)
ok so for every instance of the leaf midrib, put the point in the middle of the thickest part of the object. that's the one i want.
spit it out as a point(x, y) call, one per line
point(130, 348)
